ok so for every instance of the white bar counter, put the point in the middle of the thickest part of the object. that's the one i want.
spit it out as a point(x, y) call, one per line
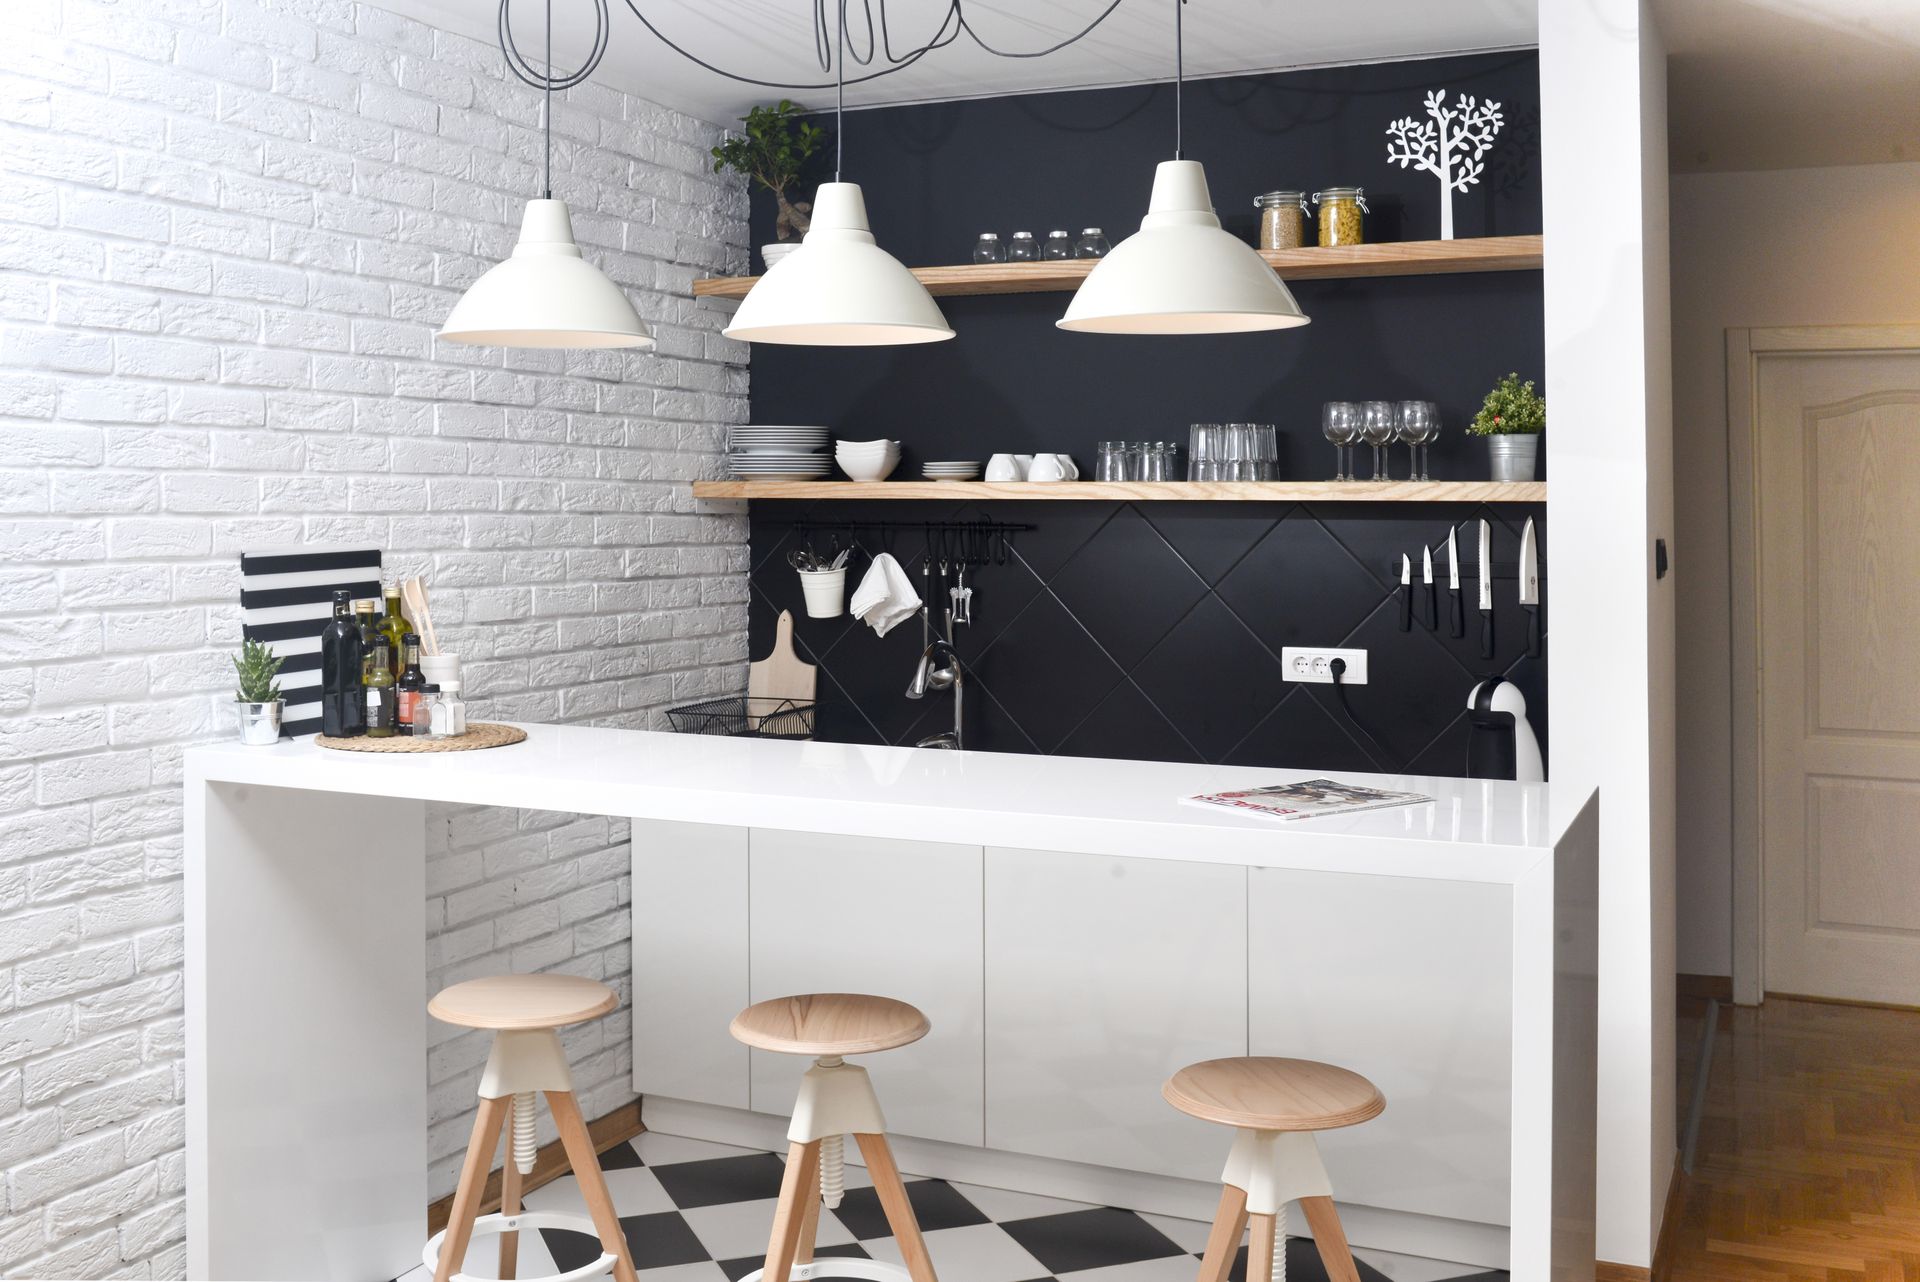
point(1417, 944)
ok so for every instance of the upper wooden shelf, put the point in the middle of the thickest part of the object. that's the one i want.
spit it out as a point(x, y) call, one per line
point(1139, 491)
point(1401, 258)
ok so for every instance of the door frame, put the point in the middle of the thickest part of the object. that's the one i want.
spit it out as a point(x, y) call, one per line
point(1746, 349)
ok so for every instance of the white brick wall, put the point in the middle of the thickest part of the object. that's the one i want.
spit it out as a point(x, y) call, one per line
point(228, 229)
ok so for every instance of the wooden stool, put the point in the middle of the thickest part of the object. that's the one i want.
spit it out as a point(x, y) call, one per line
point(523, 1011)
point(836, 1100)
point(1276, 1104)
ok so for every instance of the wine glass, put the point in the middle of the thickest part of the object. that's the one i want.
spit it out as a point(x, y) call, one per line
point(1340, 424)
point(1378, 422)
point(1419, 423)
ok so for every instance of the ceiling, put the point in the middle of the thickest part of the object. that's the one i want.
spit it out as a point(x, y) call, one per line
point(1781, 84)
point(773, 40)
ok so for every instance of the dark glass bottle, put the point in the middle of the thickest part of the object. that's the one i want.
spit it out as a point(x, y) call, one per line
point(343, 706)
point(412, 681)
point(377, 677)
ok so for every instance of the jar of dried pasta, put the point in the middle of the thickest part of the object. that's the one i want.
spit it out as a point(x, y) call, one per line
point(1283, 219)
point(1340, 210)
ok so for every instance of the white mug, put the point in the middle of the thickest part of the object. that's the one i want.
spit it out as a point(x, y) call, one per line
point(1052, 467)
point(1007, 467)
point(1068, 466)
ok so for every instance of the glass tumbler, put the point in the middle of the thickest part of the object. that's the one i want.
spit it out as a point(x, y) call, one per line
point(1202, 442)
point(1107, 464)
point(1379, 420)
point(1340, 424)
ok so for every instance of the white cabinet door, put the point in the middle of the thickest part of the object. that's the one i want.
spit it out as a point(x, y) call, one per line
point(896, 918)
point(1410, 983)
point(1104, 975)
point(689, 960)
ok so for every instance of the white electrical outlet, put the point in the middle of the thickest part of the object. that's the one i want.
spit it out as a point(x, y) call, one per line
point(1305, 663)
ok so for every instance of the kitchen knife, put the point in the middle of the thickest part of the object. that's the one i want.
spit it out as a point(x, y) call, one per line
point(1406, 593)
point(1486, 591)
point(1456, 607)
point(1530, 586)
point(1433, 592)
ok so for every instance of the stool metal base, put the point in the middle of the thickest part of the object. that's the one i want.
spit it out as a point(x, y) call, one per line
point(520, 1223)
point(835, 1267)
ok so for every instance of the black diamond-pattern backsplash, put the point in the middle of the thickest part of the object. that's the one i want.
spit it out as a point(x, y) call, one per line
point(1154, 631)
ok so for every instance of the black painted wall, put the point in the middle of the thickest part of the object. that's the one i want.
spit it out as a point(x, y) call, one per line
point(1154, 630)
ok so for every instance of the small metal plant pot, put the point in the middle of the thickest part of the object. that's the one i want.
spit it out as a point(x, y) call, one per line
point(260, 722)
point(1514, 456)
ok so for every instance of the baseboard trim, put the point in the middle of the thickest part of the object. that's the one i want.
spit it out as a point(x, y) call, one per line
point(1718, 987)
point(1839, 1001)
point(615, 1128)
point(1608, 1271)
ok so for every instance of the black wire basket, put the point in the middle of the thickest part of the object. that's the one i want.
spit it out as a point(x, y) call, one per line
point(745, 717)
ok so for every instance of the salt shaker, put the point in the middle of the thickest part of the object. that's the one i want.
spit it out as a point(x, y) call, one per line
point(456, 708)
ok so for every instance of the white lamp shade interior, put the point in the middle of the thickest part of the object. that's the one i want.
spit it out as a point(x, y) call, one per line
point(545, 295)
point(839, 288)
point(1181, 273)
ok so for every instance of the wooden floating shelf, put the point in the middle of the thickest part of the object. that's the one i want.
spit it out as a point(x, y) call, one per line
point(1400, 258)
point(1139, 491)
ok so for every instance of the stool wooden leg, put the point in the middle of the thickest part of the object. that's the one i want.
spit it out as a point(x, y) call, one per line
point(809, 1223)
point(1330, 1238)
point(472, 1187)
point(1260, 1248)
point(1229, 1223)
point(510, 1179)
point(799, 1185)
point(593, 1185)
point(894, 1201)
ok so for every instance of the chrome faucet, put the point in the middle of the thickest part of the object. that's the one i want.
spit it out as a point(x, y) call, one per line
point(940, 669)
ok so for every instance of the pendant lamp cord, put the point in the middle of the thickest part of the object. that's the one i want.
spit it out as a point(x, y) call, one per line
point(1179, 72)
point(547, 79)
point(839, 95)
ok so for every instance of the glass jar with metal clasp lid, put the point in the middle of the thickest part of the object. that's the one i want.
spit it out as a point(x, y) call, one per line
point(1340, 210)
point(1283, 219)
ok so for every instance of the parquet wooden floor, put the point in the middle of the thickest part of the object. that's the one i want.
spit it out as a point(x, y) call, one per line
point(1808, 1167)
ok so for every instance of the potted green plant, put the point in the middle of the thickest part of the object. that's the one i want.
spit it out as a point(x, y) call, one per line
point(776, 143)
point(258, 697)
point(1511, 420)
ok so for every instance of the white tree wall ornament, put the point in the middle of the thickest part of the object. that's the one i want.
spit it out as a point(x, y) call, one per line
point(1450, 144)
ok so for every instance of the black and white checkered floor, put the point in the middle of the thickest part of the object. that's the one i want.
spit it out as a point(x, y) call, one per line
point(700, 1212)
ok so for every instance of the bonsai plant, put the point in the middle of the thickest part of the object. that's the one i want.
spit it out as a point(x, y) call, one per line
point(777, 142)
point(1511, 420)
point(258, 696)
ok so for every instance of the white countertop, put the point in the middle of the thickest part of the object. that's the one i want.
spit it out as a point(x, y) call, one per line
point(1475, 830)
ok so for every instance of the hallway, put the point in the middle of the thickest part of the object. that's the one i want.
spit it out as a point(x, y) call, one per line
point(1808, 1164)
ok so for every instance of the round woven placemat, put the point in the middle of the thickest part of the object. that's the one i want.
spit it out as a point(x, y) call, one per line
point(480, 734)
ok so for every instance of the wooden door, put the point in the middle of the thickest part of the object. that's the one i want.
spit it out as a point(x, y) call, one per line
point(1837, 483)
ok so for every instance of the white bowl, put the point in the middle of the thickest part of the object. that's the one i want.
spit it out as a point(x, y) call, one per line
point(874, 470)
point(864, 445)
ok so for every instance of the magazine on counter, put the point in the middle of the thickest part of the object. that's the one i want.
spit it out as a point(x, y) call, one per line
point(1309, 799)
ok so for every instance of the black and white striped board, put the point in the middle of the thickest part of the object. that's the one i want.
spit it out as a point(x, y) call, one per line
point(286, 599)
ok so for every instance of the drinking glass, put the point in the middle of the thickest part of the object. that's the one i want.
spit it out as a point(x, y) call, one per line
point(1378, 422)
point(1109, 466)
point(1340, 424)
point(1266, 452)
point(1203, 459)
point(1419, 425)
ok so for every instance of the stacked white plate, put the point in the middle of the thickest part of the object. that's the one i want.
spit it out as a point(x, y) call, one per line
point(777, 440)
point(951, 470)
point(867, 460)
point(779, 453)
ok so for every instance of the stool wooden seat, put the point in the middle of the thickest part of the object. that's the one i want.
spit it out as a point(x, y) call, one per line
point(522, 1012)
point(1267, 1094)
point(829, 1024)
point(522, 1001)
point(1275, 1105)
point(836, 1100)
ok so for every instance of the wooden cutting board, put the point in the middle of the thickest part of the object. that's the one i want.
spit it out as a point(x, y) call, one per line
point(782, 674)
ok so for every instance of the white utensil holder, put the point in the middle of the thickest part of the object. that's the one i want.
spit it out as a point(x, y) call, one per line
point(825, 592)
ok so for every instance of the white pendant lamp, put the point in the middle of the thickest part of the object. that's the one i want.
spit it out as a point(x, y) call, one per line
point(839, 288)
point(1181, 273)
point(546, 294)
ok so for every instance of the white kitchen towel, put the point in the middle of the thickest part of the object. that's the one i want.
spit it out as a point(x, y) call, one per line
point(885, 597)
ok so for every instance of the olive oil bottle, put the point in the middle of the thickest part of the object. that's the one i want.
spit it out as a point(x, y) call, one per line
point(395, 629)
point(377, 678)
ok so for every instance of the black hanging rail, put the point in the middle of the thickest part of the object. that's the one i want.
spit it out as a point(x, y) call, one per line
point(973, 543)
